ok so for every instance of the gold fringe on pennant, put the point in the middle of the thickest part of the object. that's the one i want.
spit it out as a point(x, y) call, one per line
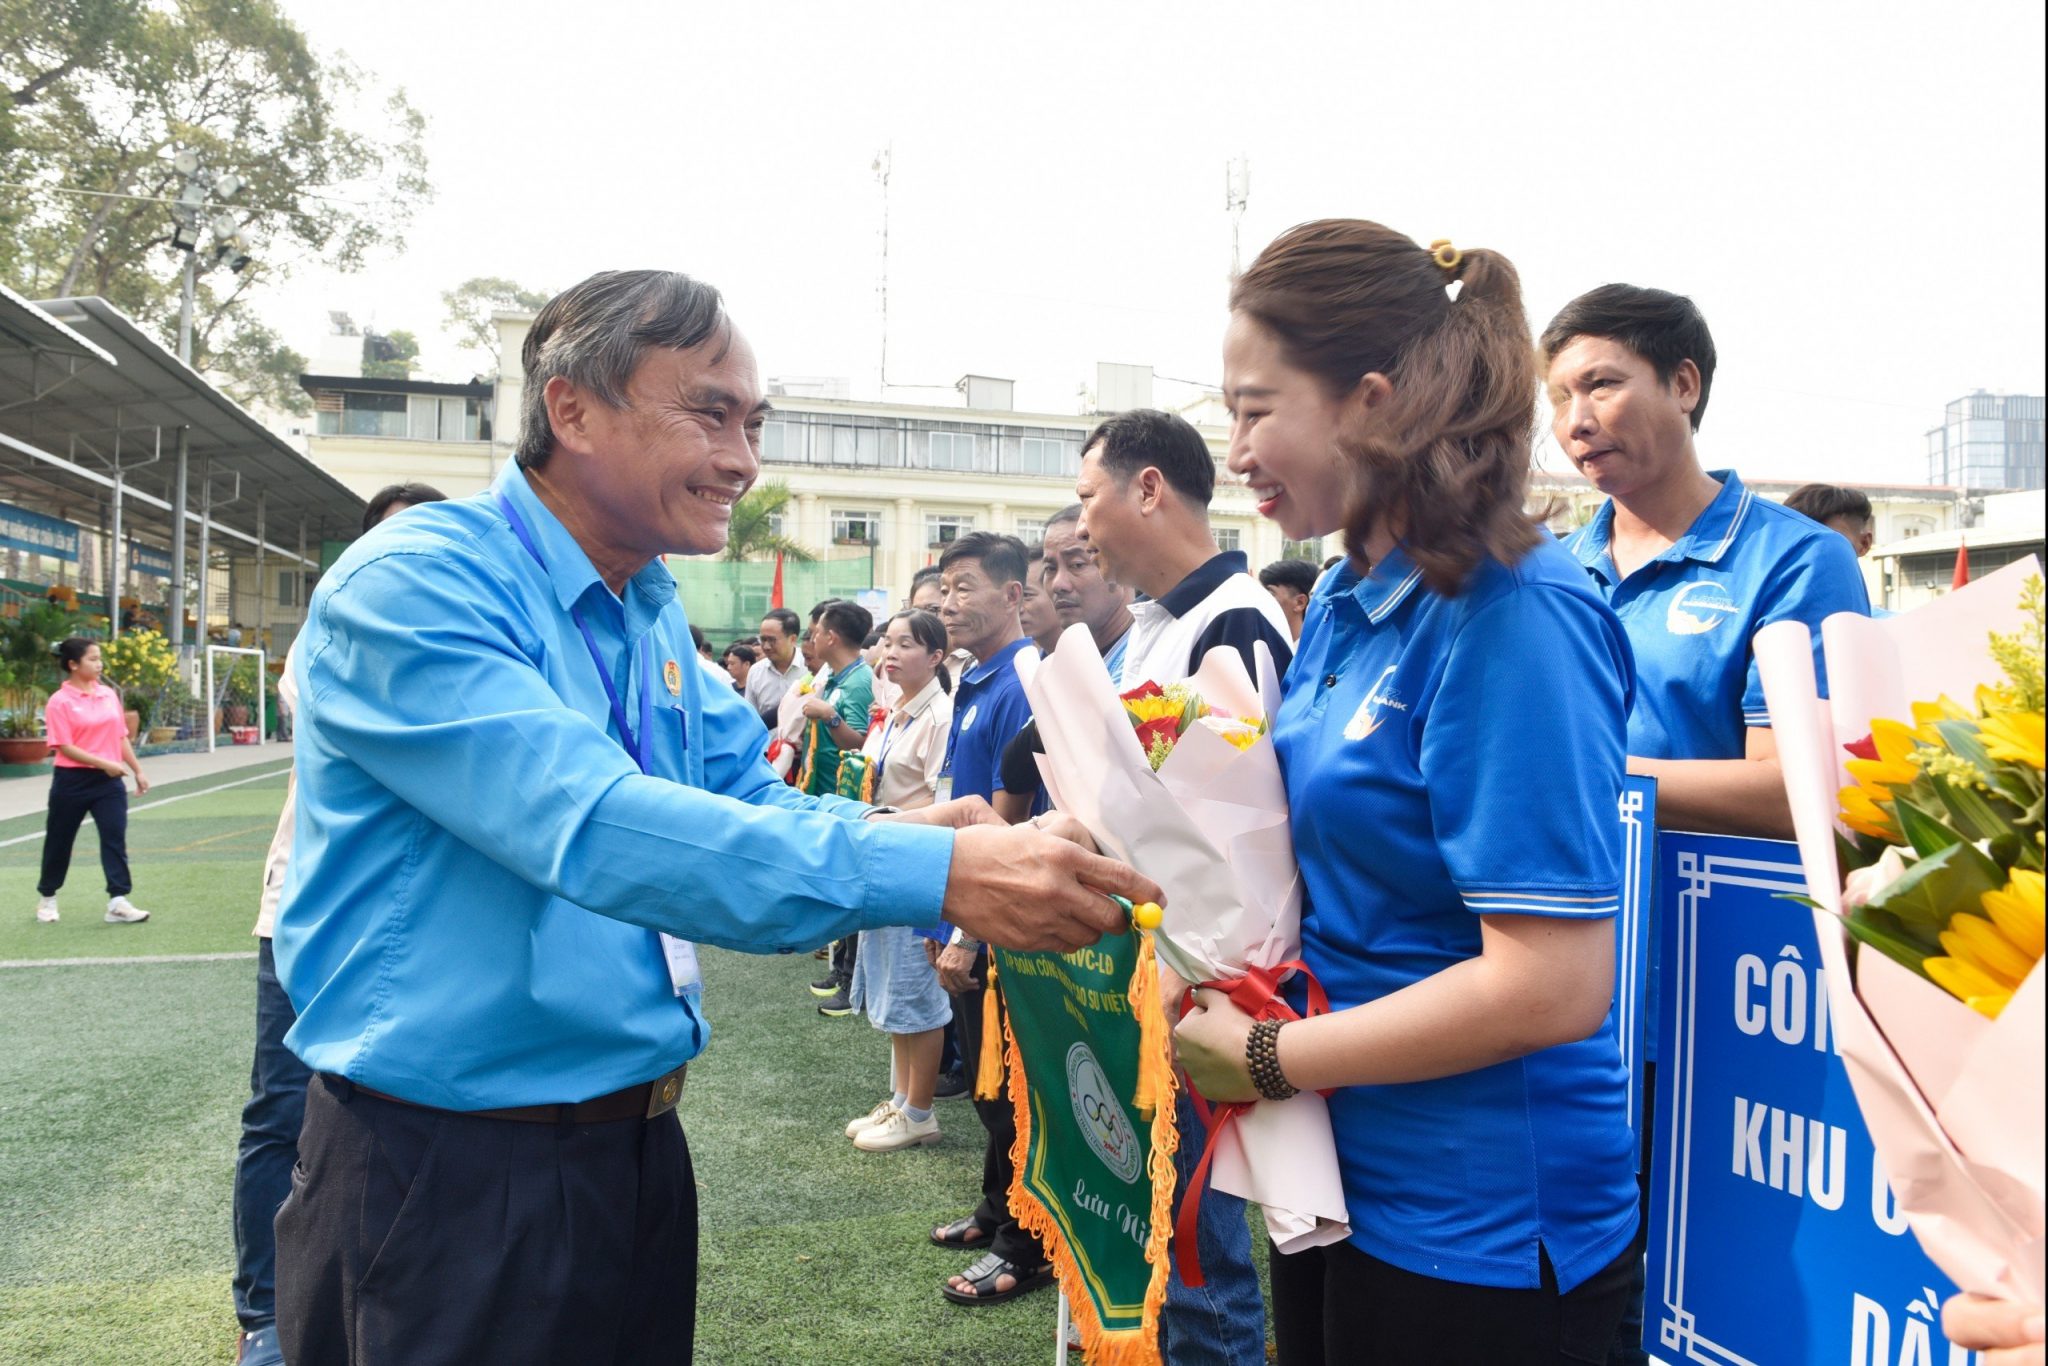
point(988, 1070)
point(1099, 1346)
point(1155, 1068)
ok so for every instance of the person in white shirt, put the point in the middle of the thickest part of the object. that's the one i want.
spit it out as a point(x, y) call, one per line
point(779, 669)
point(894, 981)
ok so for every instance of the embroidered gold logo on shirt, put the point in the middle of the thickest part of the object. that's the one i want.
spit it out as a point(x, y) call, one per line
point(672, 674)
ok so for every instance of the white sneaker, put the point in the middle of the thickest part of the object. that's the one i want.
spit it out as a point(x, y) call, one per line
point(871, 1118)
point(46, 910)
point(120, 912)
point(897, 1131)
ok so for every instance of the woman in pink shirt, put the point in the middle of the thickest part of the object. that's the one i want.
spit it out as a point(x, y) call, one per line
point(85, 726)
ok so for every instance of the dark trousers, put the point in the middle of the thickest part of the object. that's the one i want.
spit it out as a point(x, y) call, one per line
point(999, 1119)
point(416, 1237)
point(844, 953)
point(76, 793)
point(1340, 1306)
point(1628, 1335)
point(270, 1146)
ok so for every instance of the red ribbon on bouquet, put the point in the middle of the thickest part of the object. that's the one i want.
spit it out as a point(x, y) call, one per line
point(1257, 994)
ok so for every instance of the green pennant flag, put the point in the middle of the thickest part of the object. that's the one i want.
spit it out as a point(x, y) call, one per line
point(1092, 1083)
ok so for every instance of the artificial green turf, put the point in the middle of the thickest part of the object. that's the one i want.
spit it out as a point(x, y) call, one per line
point(120, 1093)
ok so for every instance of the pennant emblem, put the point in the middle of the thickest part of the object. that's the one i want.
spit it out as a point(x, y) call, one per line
point(672, 674)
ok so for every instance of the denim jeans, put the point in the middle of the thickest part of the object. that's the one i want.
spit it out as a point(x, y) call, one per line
point(270, 1145)
point(1224, 1322)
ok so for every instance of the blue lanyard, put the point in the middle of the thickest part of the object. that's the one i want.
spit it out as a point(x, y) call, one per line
point(882, 750)
point(633, 747)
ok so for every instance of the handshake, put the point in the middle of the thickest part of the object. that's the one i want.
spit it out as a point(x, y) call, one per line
point(1035, 888)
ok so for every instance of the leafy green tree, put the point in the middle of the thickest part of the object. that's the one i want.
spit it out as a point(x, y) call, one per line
point(471, 303)
point(390, 355)
point(99, 95)
point(752, 534)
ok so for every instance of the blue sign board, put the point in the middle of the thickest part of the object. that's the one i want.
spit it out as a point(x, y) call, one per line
point(147, 559)
point(21, 529)
point(1632, 928)
point(1774, 1239)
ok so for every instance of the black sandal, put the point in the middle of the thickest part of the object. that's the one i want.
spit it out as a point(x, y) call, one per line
point(955, 1234)
point(982, 1276)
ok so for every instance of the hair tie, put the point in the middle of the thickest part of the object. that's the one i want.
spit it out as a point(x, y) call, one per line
point(1448, 257)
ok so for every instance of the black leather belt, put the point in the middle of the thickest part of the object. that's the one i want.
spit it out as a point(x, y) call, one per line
point(645, 1100)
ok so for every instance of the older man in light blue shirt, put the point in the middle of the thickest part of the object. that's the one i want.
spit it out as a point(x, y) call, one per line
point(519, 804)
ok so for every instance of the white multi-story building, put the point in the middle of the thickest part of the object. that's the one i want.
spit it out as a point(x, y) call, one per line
point(878, 487)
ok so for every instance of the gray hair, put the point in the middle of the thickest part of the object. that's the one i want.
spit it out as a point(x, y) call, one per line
point(592, 334)
point(1070, 513)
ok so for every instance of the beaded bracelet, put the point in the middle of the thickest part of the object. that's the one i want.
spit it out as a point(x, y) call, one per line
point(1262, 1059)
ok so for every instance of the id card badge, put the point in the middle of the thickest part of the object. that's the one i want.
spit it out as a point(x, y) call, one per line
point(945, 792)
point(683, 973)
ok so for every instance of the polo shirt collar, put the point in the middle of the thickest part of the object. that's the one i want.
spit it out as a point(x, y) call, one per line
point(569, 569)
point(987, 668)
point(1378, 593)
point(922, 703)
point(1706, 540)
point(1190, 592)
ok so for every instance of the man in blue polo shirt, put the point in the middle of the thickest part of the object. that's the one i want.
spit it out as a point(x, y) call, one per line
point(981, 578)
point(1694, 564)
point(519, 799)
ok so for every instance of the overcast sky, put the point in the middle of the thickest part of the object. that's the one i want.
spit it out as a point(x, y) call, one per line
point(1852, 192)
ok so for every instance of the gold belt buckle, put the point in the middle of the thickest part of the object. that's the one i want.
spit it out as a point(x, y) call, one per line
point(664, 1091)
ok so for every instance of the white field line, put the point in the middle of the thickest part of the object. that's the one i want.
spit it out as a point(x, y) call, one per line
point(112, 962)
point(151, 806)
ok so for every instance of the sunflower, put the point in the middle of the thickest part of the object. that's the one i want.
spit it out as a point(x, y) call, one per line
point(2014, 737)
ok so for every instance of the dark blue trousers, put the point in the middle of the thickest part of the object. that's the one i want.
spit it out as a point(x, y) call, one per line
point(76, 793)
point(270, 1146)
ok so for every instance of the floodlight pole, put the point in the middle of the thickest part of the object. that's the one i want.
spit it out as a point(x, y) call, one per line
point(262, 594)
point(185, 307)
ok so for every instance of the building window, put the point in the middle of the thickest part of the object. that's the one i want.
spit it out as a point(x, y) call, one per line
point(365, 415)
point(441, 419)
point(856, 528)
point(1046, 456)
point(1229, 538)
point(944, 529)
point(856, 446)
point(783, 440)
point(1302, 550)
point(953, 451)
point(1030, 530)
point(774, 524)
point(287, 588)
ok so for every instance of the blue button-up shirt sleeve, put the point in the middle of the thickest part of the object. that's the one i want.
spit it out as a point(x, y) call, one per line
point(1814, 582)
point(425, 675)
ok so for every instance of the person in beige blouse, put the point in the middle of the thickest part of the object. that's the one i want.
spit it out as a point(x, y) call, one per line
point(893, 979)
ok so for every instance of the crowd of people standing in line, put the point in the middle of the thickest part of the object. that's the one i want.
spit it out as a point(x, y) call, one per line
point(488, 1169)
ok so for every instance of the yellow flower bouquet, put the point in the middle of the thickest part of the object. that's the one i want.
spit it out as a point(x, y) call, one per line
point(1920, 829)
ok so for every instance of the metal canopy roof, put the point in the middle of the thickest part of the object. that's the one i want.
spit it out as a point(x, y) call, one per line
point(81, 385)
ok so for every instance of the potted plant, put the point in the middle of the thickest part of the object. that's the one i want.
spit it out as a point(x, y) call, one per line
point(21, 738)
point(140, 705)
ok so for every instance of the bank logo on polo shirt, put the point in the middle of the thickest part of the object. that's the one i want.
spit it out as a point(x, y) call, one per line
point(1379, 699)
point(1100, 1114)
point(1698, 608)
point(967, 721)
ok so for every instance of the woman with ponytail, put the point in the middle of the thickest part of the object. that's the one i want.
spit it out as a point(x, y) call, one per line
point(894, 981)
point(1452, 740)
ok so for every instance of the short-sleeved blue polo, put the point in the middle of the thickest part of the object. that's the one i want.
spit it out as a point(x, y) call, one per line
point(1692, 612)
point(989, 708)
point(1449, 758)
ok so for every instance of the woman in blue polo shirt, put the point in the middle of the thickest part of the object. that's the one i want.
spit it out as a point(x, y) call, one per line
point(1452, 737)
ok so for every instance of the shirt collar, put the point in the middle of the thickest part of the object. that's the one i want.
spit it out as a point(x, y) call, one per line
point(568, 566)
point(986, 669)
point(922, 703)
point(1706, 540)
point(1378, 593)
point(1188, 594)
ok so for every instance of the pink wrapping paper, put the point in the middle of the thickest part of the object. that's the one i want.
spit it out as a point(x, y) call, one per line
point(1954, 1101)
point(1211, 829)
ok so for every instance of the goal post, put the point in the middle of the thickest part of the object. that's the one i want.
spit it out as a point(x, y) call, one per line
point(216, 680)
